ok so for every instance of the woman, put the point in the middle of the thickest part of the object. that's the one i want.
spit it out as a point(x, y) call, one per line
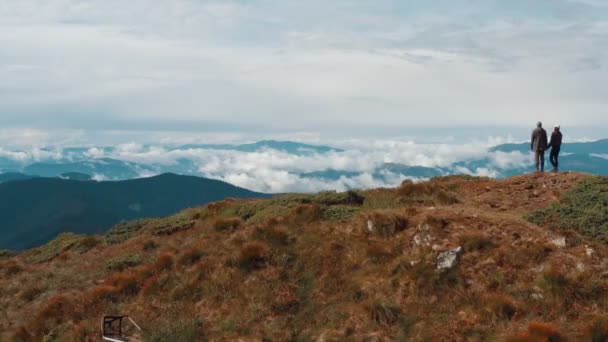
point(556, 145)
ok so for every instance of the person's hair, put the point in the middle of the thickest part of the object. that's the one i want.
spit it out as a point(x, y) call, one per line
point(539, 124)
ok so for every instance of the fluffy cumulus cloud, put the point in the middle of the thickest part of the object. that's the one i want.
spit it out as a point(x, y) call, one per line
point(306, 65)
point(358, 163)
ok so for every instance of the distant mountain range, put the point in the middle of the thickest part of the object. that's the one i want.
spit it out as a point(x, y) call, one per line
point(35, 210)
point(102, 164)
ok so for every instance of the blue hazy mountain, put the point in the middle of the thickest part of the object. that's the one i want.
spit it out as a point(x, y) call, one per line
point(600, 146)
point(14, 176)
point(36, 210)
point(381, 172)
point(106, 167)
point(283, 146)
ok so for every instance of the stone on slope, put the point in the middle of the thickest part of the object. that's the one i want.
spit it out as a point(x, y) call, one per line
point(448, 259)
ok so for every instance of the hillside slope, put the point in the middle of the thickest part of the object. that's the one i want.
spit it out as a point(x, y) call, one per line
point(34, 211)
point(454, 259)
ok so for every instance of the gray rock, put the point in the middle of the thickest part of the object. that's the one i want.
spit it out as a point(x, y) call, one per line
point(448, 259)
point(370, 226)
point(423, 237)
point(537, 297)
point(559, 242)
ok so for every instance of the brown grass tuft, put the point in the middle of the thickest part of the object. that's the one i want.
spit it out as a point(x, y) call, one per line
point(254, 255)
point(385, 314)
point(275, 235)
point(476, 242)
point(598, 331)
point(503, 307)
point(227, 224)
point(191, 257)
point(164, 262)
point(385, 223)
point(12, 268)
point(30, 293)
point(307, 213)
point(22, 335)
point(545, 330)
point(125, 284)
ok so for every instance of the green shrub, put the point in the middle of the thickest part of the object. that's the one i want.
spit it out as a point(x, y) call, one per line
point(126, 230)
point(172, 225)
point(339, 212)
point(180, 330)
point(350, 197)
point(86, 244)
point(6, 253)
point(227, 224)
point(53, 248)
point(124, 262)
point(583, 209)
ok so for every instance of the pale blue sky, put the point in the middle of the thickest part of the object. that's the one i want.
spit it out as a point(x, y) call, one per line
point(307, 66)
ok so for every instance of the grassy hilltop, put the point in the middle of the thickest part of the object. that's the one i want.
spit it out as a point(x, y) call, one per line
point(456, 258)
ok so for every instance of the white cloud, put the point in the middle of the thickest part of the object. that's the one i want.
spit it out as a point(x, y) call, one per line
point(305, 65)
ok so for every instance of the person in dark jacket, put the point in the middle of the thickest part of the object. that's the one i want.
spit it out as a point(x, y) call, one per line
point(556, 145)
point(538, 145)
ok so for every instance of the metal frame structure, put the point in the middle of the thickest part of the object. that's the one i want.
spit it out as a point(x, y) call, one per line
point(107, 324)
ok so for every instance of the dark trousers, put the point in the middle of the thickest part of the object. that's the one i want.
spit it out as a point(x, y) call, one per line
point(539, 157)
point(554, 156)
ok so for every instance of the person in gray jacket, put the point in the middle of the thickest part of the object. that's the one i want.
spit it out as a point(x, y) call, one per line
point(538, 145)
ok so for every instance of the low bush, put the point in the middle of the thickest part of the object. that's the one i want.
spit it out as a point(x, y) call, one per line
point(426, 193)
point(150, 245)
point(476, 242)
point(275, 235)
point(385, 223)
point(86, 244)
point(123, 262)
point(125, 284)
point(102, 294)
point(547, 331)
point(56, 310)
point(179, 330)
point(379, 253)
point(350, 197)
point(187, 291)
point(7, 253)
point(190, 257)
point(503, 307)
point(598, 331)
point(385, 314)
point(227, 224)
point(305, 213)
point(164, 262)
point(285, 300)
point(172, 225)
point(253, 256)
point(30, 293)
point(126, 230)
point(583, 209)
point(12, 268)
point(54, 248)
point(339, 212)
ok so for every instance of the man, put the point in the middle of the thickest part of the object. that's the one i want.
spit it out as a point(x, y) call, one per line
point(556, 145)
point(538, 146)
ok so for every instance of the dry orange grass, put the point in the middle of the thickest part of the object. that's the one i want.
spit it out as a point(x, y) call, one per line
point(300, 276)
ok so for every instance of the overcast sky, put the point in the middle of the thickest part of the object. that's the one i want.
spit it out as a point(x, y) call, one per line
point(305, 66)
